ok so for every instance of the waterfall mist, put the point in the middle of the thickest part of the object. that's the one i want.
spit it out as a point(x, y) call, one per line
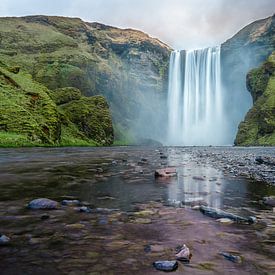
point(195, 99)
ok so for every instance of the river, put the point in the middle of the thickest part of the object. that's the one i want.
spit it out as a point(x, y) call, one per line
point(139, 219)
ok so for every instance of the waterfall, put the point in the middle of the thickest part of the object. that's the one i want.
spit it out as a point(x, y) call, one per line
point(195, 98)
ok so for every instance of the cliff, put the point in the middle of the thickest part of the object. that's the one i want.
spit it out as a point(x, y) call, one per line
point(127, 67)
point(248, 49)
point(258, 128)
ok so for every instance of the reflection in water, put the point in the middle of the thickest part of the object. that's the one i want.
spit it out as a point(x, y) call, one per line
point(195, 184)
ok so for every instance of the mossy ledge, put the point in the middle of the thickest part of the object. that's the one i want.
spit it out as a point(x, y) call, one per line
point(258, 128)
point(33, 115)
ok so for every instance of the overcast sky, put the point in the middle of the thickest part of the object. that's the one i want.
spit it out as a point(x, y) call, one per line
point(183, 24)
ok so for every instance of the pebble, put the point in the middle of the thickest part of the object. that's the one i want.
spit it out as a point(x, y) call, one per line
point(71, 202)
point(4, 240)
point(43, 203)
point(85, 209)
point(166, 265)
point(225, 221)
point(231, 257)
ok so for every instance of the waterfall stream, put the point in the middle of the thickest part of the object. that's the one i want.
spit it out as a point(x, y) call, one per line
point(195, 98)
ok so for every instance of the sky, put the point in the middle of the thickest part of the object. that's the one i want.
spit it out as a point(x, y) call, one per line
point(182, 24)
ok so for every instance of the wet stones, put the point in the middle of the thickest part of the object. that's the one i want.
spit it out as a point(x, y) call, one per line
point(218, 214)
point(42, 203)
point(166, 172)
point(265, 160)
point(4, 240)
point(166, 265)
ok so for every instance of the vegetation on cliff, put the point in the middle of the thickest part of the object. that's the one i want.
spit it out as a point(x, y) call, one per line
point(33, 115)
point(258, 128)
point(126, 66)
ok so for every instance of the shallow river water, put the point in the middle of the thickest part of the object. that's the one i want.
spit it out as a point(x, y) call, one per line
point(145, 218)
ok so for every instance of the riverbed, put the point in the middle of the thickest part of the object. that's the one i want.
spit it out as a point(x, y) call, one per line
point(137, 219)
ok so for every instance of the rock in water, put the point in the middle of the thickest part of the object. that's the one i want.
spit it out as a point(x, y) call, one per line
point(231, 257)
point(269, 200)
point(166, 265)
point(166, 172)
point(184, 254)
point(219, 214)
point(43, 203)
point(4, 240)
point(85, 209)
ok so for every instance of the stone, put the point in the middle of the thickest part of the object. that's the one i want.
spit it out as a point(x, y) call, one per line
point(4, 240)
point(44, 216)
point(85, 209)
point(75, 226)
point(269, 200)
point(218, 213)
point(143, 221)
point(43, 203)
point(225, 221)
point(163, 157)
point(184, 254)
point(231, 257)
point(166, 172)
point(166, 265)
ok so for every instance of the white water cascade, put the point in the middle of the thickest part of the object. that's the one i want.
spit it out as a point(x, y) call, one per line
point(195, 98)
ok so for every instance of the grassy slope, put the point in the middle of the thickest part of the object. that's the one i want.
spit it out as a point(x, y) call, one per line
point(29, 115)
point(122, 65)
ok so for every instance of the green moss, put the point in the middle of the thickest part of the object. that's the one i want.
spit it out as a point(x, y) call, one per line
point(29, 115)
point(258, 128)
point(8, 139)
point(65, 95)
point(26, 108)
point(92, 117)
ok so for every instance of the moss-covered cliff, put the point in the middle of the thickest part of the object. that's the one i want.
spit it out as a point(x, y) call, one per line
point(126, 66)
point(33, 115)
point(246, 50)
point(258, 128)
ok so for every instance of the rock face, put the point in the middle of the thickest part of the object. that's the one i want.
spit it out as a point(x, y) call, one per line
point(126, 66)
point(248, 49)
point(258, 128)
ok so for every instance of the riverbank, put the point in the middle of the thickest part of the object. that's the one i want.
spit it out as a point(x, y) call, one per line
point(257, 163)
point(135, 218)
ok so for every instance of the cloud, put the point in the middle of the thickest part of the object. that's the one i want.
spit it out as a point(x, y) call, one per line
point(180, 23)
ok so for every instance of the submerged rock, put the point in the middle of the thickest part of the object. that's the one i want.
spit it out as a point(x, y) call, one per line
point(85, 209)
point(4, 240)
point(225, 221)
point(43, 203)
point(166, 172)
point(219, 214)
point(71, 202)
point(184, 254)
point(231, 257)
point(269, 200)
point(166, 265)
